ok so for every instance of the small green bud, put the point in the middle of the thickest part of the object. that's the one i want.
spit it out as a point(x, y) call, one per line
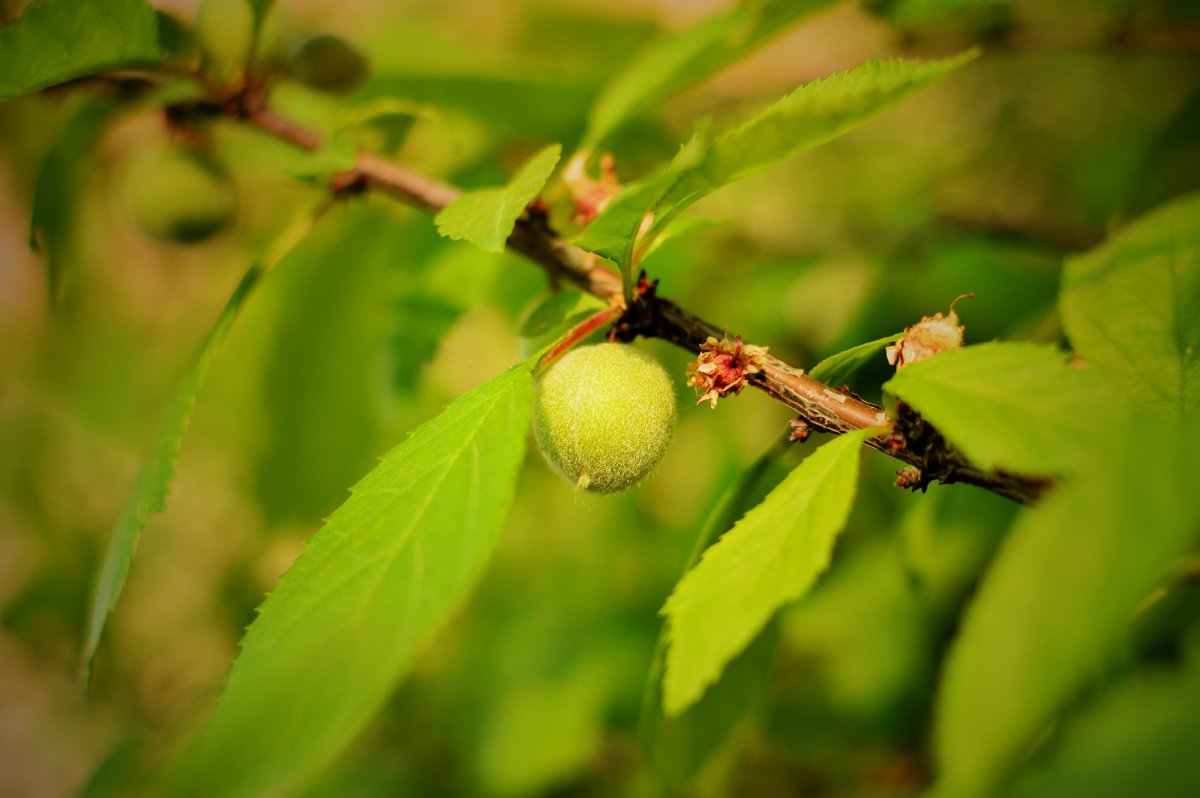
point(603, 416)
point(178, 195)
point(329, 63)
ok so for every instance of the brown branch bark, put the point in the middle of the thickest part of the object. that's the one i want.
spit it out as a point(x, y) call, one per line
point(913, 441)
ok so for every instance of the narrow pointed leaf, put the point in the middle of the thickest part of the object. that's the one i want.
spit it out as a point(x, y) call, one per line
point(836, 369)
point(1015, 406)
point(60, 182)
point(771, 557)
point(375, 582)
point(153, 482)
point(1132, 306)
point(487, 217)
point(58, 40)
point(811, 115)
point(1054, 606)
point(677, 748)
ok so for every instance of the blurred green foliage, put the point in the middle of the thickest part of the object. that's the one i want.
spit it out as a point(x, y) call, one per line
point(1078, 118)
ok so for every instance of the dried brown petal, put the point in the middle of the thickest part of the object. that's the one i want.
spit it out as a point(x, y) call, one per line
point(933, 334)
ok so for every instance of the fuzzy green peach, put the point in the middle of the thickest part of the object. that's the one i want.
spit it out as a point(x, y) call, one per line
point(603, 416)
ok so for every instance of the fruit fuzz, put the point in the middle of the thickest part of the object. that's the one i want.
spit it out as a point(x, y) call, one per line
point(603, 416)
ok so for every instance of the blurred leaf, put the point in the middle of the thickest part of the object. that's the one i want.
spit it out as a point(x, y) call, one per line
point(771, 557)
point(511, 103)
point(153, 483)
point(836, 369)
point(325, 384)
point(679, 747)
point(260, 9)
point(1140, 740)
point(57, 40)
point(1013, 406)
point(174, 37)
point(678, 61)
point(543, 732)
point(487, 217)
point(60, 184)
point(918, 13)
point(375, 582)
point(335, 155)
point(390, 118)
point(1058, 598)
point(1132, 306)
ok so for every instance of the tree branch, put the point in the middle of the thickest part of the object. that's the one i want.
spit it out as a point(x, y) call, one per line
point(913, 441)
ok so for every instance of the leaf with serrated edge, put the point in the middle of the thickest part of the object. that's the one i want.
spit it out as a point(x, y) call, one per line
point(58, 40)
point(487, 217)
point(1132, 306)
point(677, 748)
point(1056, 602)
point(771, 557)
point(153, 483)
point(811, 115)
point(1014, 406)
point(386, 570)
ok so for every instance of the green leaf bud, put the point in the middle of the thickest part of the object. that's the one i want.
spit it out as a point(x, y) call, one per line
point(603, 416)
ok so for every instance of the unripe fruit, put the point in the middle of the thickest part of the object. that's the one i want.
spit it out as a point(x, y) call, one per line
point(179, 195)
point(603, 416)
point(329, 63)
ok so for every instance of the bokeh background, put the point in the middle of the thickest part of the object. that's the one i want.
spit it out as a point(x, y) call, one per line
point(1081, 115)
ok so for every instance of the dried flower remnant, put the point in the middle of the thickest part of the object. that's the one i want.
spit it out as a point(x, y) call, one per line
point(933, 334)
point(588, 195)
point(722, 367)
point(909, 477)
point(799, 430)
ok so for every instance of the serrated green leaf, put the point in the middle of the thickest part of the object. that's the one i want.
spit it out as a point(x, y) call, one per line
point(1013, 406)
point(58, 40)
point(60, 182)
point(836, 369)
point(771, 557)
point(1132, 307)
point(388, 567)
point(685, 58)
point(487, 217)
point(1057, 600)
point(677, 748)
point(153, 482)
point(811, 115)
point(1139, 740)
